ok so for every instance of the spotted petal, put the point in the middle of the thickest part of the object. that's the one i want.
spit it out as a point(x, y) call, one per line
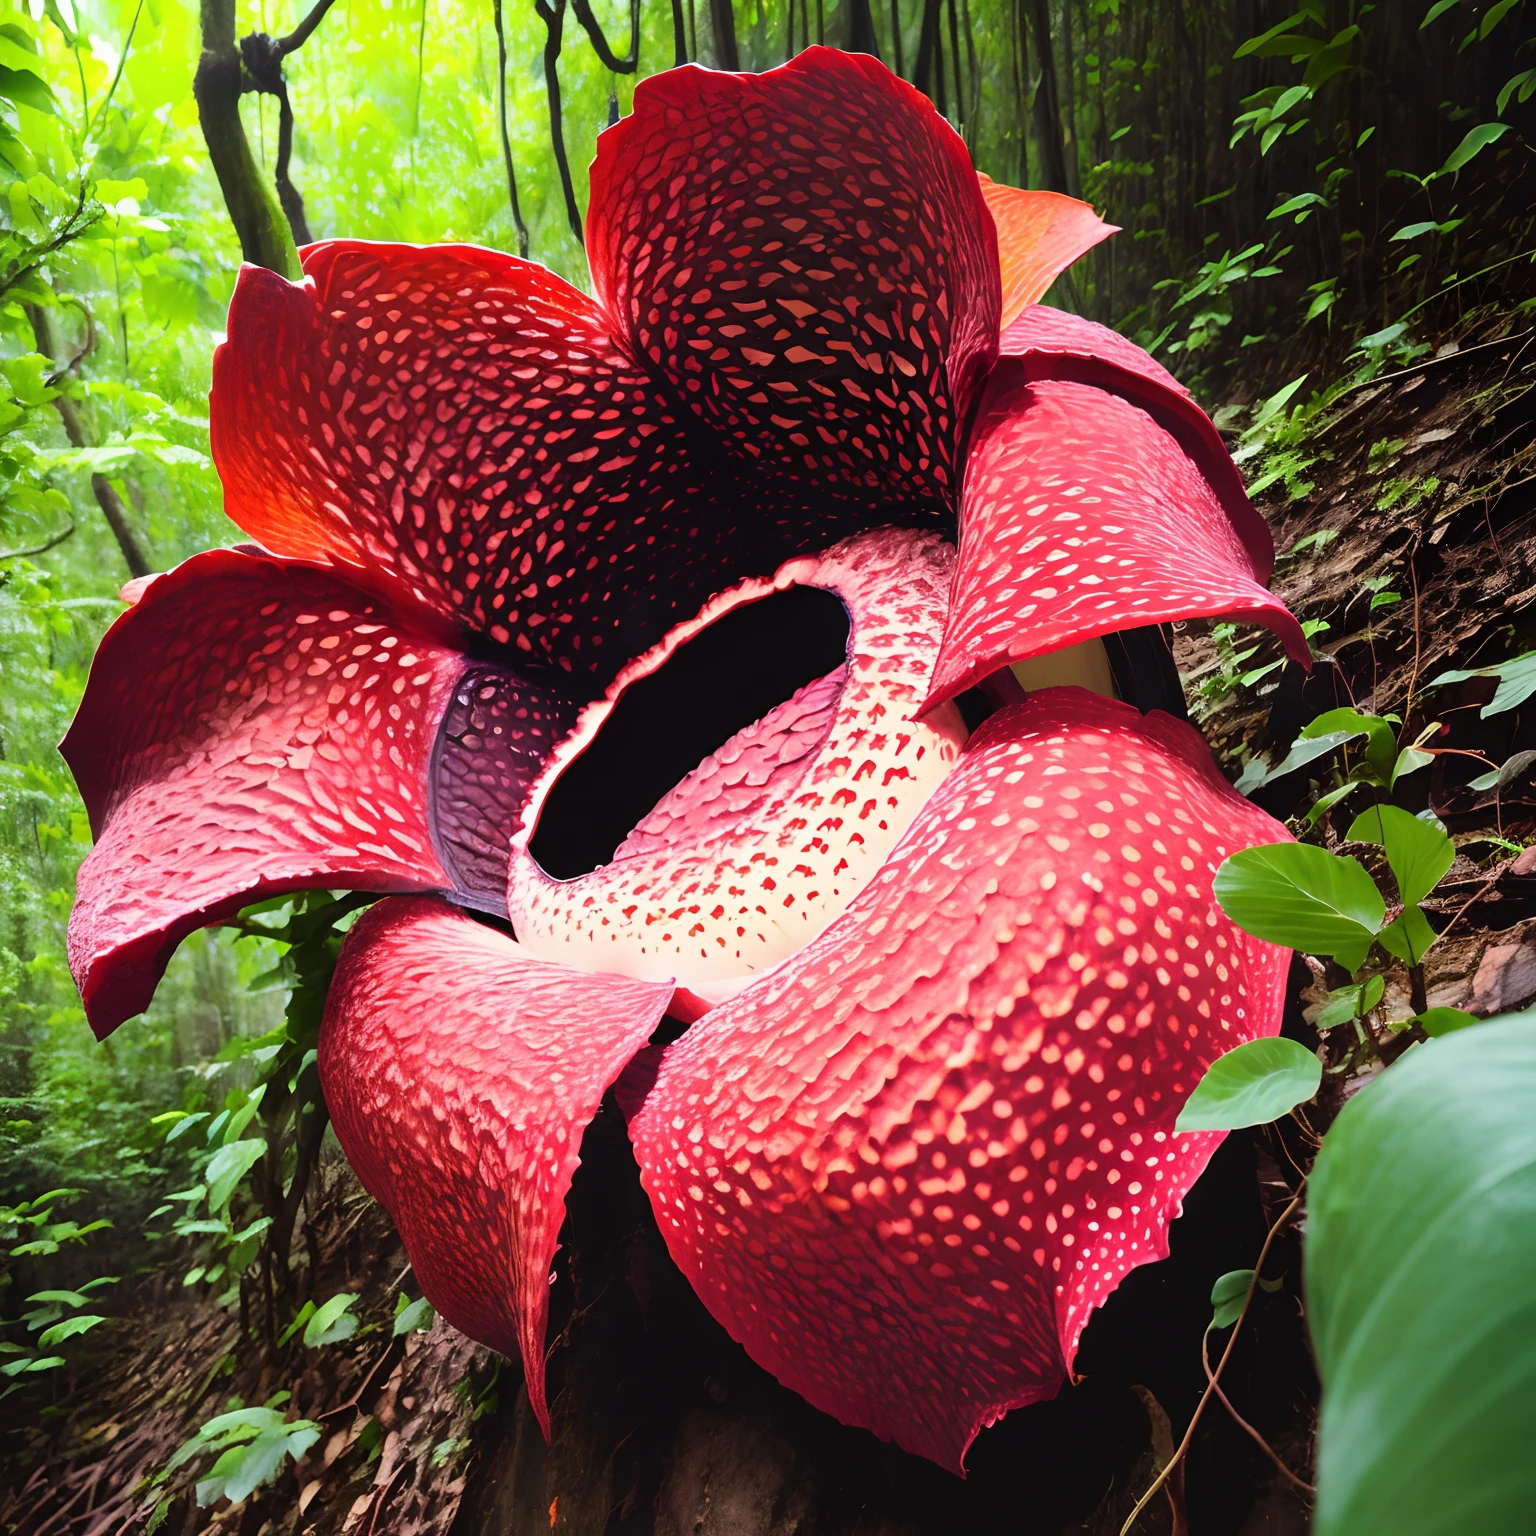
point(805, 256)
point(1048, 343)
point(460, 1075)
point(253, 726)
point(904, 1167)
point(1082, 516)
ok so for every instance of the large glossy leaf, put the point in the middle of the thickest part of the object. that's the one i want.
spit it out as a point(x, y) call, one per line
point(1251, 1085)
point(1308, 898)
point(1421, 1250)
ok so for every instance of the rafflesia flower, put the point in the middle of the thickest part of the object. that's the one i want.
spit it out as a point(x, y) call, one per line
point(945, 992)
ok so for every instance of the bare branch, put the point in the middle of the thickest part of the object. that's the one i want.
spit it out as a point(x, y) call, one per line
point(600, 45)
point(506, 140)
point(305, 29)
point(553, 18)
point(38, 549)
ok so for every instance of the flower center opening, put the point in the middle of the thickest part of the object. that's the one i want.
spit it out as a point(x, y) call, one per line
point(729, 675)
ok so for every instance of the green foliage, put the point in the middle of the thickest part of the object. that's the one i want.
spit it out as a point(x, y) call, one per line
point(1421, 1244)
point(1251, 1085)
point(251, 1445)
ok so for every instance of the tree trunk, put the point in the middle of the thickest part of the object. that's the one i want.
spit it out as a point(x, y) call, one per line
point(262, 227)
point(1048, 134)
point(861, 29)
point(722, 21)
point(107, 499)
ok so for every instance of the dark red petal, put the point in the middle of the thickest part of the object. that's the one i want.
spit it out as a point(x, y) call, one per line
point(460, 1076)
point(905, 1166)
point(767, 840)
point(250, 727)
point(456, 425)
point(1039, 235)
point(1051, 344)
point(454, 428)
point(1083, 516)
point(806, 256)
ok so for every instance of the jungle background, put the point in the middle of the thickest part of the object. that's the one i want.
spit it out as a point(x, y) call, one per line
point(1328, 234)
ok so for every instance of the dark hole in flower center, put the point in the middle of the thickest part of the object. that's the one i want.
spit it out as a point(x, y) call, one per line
point(665, 725)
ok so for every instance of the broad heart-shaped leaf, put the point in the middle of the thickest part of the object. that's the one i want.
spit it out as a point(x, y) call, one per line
point(1251, 1085)
point(1419, 852)
point(1421, 1244)
point(1307, 898)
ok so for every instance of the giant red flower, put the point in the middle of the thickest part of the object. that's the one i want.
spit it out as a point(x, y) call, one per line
point(947, 992)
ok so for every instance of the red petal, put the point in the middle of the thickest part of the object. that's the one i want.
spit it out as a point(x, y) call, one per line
point(763, 844)
point(904, 1168)
point(1051, 344)
point(805, 255)
point(1039, 235)
point(1083, 516)
point(250, 727)
point(456, 426)
point(460, 1076)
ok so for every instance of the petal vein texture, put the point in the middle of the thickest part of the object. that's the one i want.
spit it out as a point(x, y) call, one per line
point(904, 1167)
point(460, 1076)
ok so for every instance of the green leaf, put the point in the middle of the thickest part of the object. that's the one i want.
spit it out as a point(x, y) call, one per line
point(1228, 1297)
point(1421, 1244)
point(1494, 15)
point(1477, 140)
point(31, 1366)
point(1443, 1021)
point(1524, 83)
point(412, 1316)
point(1380, 738)
point(1351, 1002)
point(1251, 1085)
point(1408, 936)
point(1517, 682)
point(1326, 802)
point(81, 1322)
point(1255, 43)
point(1418, 853)
point(1437, 10)
point(1505, 775)
point(331, 1322)
point(228, 1166)
point(26, 89)
point(66, 1298)
point(1302, 897)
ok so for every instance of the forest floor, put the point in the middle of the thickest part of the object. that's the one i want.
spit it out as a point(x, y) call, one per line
point(1428, 479)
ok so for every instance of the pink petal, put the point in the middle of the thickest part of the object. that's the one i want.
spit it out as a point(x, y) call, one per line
point(762, 845)
point(805, 256)
point(1083, 516)
point(1051, 344)
point(460, 1076)
point(904, 1168)
point(253, 727)
point(1039, 235)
